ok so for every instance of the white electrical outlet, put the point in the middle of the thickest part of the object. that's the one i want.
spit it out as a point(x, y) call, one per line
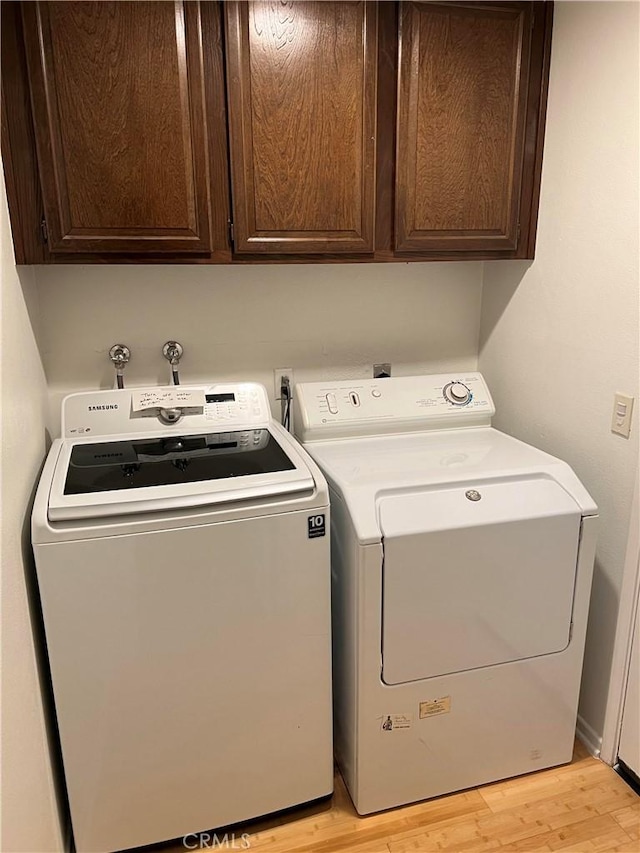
point(622, 410)
point(278, 373)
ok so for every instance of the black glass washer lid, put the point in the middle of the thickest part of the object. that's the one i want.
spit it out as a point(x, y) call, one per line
point(173, 460)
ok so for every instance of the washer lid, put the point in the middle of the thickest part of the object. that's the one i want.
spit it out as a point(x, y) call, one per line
point(145, 473)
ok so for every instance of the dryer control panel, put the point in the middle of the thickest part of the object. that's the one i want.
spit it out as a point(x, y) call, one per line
point(325, 410)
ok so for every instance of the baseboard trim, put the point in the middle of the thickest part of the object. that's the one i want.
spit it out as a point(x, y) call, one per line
point(589, 736)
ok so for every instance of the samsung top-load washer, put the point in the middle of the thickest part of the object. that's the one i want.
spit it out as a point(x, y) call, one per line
point(185, 585)
point(461, 569)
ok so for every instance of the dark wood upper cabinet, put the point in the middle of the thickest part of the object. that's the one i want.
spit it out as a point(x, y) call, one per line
point(117, 91)
point(463, 98)
point(278, 130)
point(301, 82)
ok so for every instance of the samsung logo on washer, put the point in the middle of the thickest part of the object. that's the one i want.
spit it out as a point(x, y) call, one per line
point(102, 408)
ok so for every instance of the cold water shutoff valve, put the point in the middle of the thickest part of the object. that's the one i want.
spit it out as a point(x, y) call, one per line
point(173, 351)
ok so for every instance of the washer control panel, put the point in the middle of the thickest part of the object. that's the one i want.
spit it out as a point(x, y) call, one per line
point(209, 408)
point(326, 410)
point(242, 403)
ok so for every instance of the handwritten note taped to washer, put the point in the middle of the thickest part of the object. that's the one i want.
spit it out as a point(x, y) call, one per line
point(167, 398)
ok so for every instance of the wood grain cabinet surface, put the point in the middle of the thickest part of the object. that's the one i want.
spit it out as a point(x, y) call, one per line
point(274, 130)
point(463, 85)
point(117, 92)
point(302, 123)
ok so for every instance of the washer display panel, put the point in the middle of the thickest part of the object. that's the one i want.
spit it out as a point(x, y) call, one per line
point(173, 460)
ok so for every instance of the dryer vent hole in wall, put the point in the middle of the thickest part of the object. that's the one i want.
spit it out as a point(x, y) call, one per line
point(382, 371)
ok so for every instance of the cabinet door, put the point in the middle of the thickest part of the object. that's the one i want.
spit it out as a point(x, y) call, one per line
point(302, 99)
point(462, 101)
point(117, 95)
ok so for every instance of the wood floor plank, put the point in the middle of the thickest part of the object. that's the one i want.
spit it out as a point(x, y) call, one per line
point(589, 836)
point(581, 807)
point(545, 785)
point(629, 820)
point(376, 829)
point(529, 829)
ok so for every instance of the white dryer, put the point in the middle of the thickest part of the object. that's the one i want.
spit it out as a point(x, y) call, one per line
point(461, 570)
point(185, 587)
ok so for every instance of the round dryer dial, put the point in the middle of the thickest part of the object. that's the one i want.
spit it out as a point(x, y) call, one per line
point(457, 393)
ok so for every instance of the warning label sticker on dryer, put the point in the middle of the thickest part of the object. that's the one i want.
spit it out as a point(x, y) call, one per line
point(396, 722)
point(434, 707)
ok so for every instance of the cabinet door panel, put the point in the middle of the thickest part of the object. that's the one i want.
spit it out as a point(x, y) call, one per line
point(117, 92)
point(302, 92)
point(462, 99)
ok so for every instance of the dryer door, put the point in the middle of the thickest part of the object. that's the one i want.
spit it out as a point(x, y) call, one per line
point(476, 575)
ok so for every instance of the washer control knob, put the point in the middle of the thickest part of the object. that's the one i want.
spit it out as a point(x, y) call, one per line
point(332, 404)
point(457, 393)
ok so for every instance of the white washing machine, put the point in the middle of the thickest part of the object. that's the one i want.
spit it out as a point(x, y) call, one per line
point(185, 585)
point(461, 569)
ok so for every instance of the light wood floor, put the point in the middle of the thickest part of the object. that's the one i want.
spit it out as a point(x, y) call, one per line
point(582, 807)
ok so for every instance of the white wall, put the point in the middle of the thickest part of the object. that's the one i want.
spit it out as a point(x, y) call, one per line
point(29, 813)
point(560, 336)
point(242, 322)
